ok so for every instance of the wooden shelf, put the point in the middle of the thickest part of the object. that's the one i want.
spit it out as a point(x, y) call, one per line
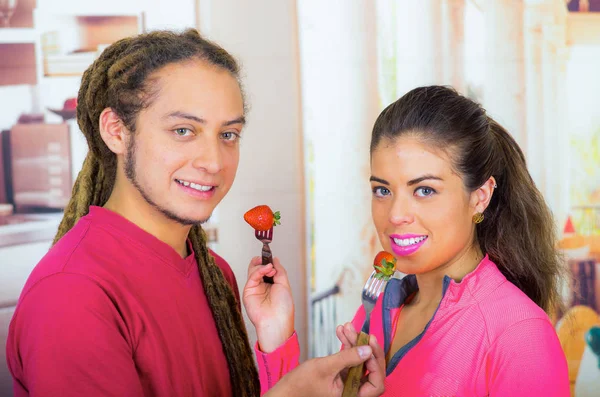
point(17, 35)
point(17, 64)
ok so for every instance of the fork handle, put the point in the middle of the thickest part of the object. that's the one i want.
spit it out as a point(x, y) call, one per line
point(366, 324)
point(355, 374)
point(267, 257)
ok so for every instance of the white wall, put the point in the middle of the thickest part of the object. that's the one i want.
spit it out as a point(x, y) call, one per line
point(264, 38)
point(340, 104)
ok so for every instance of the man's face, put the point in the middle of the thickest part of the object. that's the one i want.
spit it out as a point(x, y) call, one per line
point(184, 154)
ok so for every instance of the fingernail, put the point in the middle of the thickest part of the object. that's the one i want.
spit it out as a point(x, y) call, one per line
point(364, 351)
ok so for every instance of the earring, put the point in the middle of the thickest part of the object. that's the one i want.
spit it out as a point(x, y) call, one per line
point(478, 218)
point(495, 186)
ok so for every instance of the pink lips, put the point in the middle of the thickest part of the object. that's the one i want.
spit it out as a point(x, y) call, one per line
point(406, 250)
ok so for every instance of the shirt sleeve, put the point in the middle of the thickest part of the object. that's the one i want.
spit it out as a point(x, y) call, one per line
point(273, 366)
point(68, 339)
point(527, 360)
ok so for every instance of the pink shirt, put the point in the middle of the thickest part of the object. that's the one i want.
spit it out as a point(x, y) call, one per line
point(487, 338)
point(113, 311)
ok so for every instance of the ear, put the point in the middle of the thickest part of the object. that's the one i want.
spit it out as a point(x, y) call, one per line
point(113, 132)
point(480, 198)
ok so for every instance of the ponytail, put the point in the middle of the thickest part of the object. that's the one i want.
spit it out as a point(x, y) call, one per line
point(518, 230)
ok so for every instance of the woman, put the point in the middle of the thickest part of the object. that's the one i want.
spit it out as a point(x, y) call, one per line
point(454, 202)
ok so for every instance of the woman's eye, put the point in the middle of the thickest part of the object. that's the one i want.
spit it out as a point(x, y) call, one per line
point(183, 131)
point(381, 191)
point(424, 191)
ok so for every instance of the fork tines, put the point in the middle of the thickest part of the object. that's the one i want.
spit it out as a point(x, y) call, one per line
point(374, 287)
point(268, 235)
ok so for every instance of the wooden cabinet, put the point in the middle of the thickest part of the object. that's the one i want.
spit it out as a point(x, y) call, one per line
point(41, 165)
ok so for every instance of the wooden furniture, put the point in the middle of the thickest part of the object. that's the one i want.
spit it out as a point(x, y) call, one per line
point(41, 166)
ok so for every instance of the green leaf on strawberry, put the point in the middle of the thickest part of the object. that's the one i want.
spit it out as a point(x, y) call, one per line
point(385, 265)
point(276, 218)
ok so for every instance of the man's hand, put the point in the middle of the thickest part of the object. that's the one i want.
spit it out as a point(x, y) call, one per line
point(321, 377)
point(270, 307)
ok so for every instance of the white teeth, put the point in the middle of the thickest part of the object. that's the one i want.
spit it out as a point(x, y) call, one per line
point(201, 188)
point(404, 242)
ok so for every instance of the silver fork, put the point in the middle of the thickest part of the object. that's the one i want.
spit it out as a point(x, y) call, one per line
point(267, 257)
point(370, 293)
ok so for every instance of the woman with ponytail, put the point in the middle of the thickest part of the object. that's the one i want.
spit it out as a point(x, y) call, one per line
point(455, 204)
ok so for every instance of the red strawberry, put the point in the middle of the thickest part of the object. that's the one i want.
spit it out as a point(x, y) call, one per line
point(384, 264)
point(262, 218)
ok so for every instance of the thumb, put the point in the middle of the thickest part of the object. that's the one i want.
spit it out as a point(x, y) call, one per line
point(348, 358)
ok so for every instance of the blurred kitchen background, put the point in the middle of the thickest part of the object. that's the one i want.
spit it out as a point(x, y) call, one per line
point(317, 73)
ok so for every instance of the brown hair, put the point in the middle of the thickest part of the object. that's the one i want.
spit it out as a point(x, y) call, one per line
point(119, 79)
point(518, 230)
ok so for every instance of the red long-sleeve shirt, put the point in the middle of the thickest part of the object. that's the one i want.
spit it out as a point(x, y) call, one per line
point(113, 311)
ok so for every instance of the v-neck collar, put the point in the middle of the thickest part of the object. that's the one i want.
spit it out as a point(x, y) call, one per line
point(106, 218)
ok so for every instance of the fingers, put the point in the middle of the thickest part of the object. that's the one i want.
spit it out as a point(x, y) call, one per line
point(256, 274)
point(254, 263)
point(341, 335)
point(350, 333)
point(275, 270)
point(346, 358)
point(281, 274)
point(339, 332)
point(374, 385)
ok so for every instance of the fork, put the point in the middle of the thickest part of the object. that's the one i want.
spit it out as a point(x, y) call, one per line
point(370, 293)
point(266, 237)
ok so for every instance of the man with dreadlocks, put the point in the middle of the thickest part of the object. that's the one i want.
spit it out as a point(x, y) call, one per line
point(129, 301)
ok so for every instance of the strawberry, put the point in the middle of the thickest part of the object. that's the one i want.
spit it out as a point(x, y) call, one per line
point(262, 218)
point(385, 265)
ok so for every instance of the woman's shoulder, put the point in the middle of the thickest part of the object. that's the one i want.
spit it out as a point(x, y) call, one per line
point(507, 307)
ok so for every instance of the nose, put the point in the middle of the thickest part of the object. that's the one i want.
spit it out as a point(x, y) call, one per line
point(401, 212)
point(208, 156)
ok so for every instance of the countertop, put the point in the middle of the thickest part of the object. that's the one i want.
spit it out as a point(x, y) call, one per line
point(28, 228)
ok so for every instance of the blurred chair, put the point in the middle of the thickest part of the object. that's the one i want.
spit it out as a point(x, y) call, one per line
point(571, 330)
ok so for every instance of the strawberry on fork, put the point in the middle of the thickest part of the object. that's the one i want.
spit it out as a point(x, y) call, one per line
point(262, 219)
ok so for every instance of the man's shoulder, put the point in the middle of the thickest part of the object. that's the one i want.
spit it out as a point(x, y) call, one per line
point(222, 263)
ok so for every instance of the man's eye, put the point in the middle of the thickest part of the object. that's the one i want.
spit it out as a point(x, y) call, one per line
point(183, 131)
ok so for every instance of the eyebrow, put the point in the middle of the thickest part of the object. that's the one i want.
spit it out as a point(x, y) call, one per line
point(187, 116)
point(423, 178)
point(378, 180)
point(410, 183)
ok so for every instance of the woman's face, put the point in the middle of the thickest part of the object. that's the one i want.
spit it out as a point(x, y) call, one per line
point(421, 209)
